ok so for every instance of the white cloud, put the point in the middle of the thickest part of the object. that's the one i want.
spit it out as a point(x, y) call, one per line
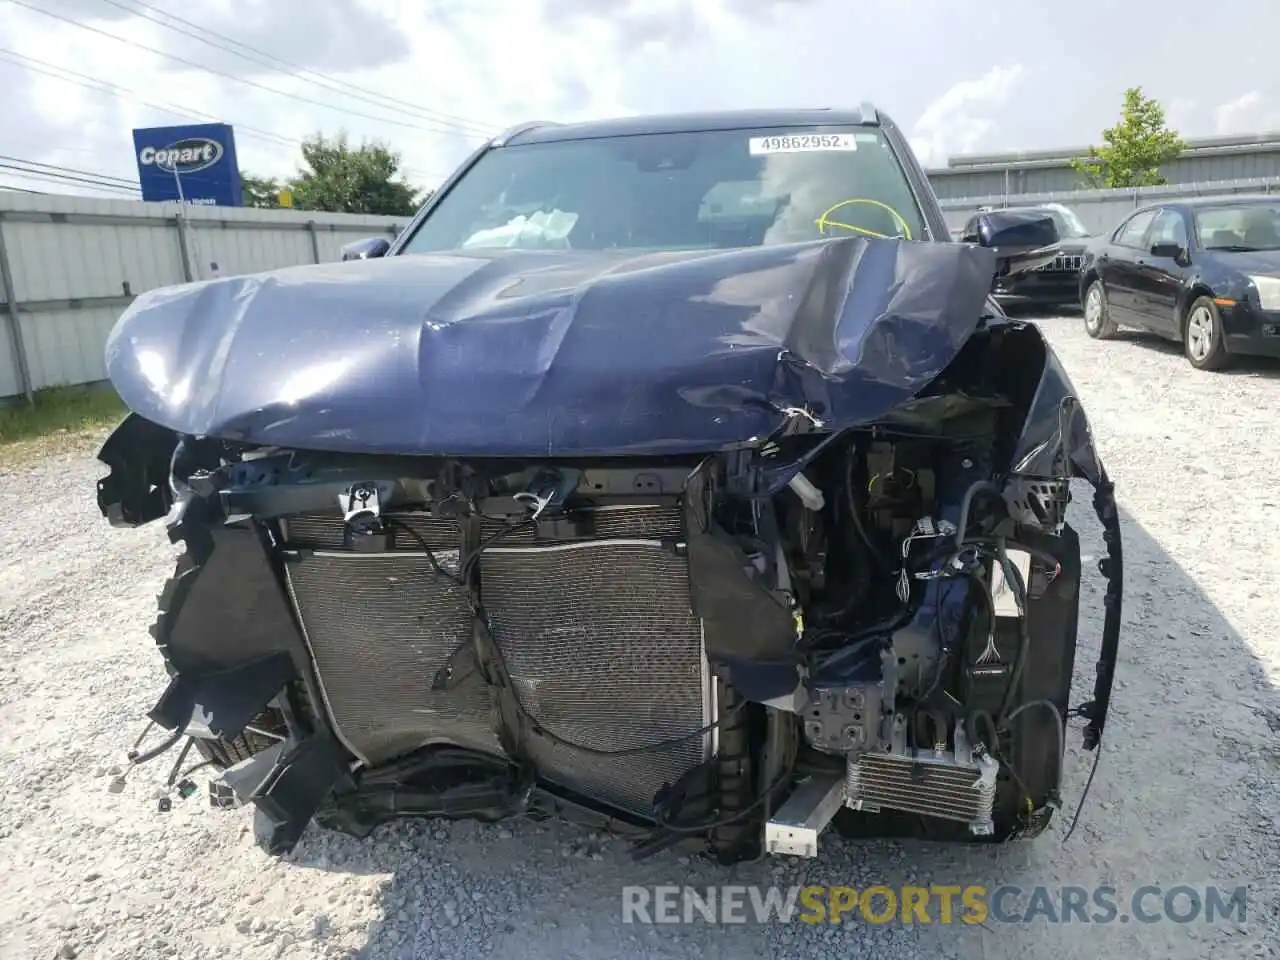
point(962, 119)
point(1239, 115)
point(496, 62)
point(473, 66)
point(1181, 113)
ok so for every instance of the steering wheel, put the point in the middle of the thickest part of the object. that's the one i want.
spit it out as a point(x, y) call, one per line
point(825, 220)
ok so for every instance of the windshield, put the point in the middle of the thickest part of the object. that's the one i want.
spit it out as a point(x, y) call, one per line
point(679, 191)
point(1239, 227)
point(1069, 226)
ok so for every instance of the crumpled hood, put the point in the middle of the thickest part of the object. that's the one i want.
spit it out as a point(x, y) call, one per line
point(516, 353)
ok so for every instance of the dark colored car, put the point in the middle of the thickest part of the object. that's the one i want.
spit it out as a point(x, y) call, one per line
point(675, 472)
point(1056, 283)
point(1203, 272)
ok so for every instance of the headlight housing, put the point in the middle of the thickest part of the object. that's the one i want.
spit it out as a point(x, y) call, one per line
point(1268, 291)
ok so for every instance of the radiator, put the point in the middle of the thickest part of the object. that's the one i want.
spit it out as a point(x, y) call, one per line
point(597, 635)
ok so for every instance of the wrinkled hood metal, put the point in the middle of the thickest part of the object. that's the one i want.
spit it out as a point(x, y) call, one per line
point(516, 353)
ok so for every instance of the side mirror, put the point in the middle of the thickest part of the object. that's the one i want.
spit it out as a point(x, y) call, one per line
point(1022, 240)
point(366, 249)
point(1174, 251)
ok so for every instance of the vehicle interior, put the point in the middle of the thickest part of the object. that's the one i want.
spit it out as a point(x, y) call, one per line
point(1241, 227)
point(682, 191)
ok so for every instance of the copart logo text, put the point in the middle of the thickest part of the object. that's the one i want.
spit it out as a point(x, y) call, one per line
point(185, 156)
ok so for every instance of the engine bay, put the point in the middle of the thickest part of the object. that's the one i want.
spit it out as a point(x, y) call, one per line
point(874, 627)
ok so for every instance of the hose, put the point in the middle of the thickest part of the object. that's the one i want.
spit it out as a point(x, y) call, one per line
point(855, 516)
point(1013, 577)
point(980, 486)
point(1058, 725)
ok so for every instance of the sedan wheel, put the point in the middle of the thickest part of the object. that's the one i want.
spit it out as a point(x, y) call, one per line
point(1202, 338)
point(1097, 313)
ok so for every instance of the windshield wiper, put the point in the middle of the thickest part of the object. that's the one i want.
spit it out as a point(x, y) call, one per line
point(1235, 248)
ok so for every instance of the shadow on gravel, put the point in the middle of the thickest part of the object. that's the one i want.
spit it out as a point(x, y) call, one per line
point(1064, 312)
point(1265, 367)
point(1178, 733)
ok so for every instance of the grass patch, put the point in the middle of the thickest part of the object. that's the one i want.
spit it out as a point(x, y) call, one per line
point(61, 417)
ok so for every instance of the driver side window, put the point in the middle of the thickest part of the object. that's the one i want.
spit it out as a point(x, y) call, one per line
point(1169, 228)
point(1130, 235)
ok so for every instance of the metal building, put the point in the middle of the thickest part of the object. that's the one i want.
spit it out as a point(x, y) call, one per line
point(1206, 160)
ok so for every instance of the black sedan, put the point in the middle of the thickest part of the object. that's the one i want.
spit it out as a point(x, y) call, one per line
point(1203, 272)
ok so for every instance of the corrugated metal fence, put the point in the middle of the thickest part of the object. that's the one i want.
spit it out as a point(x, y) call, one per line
point(70, 265)
point(1100, 210)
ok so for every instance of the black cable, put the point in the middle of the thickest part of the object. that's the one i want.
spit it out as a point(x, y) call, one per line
point(539, 729)
point(194, 767)
point(966, 504)
point(1013, 577)
point(1085, 794)
point(634, 751)
point(993, 745)
point(984, 593)
point(1059, 725)
point(177, 764)
point(855, 517)
point(765, 796)
point(988, 544)
point(137, 759)
point(422, 542)
point(469, 564)
point(465, 576)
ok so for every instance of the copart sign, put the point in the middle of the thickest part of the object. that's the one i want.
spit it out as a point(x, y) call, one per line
point(186, 156)
point(195, 163)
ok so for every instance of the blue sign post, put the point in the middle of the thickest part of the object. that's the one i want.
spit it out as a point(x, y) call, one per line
point(192, 164)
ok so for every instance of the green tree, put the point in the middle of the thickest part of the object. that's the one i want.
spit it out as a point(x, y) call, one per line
point(341, 178)
point(1135, 148)
point(260, 191)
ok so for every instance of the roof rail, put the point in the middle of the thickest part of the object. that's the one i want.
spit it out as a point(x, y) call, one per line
point(514, 131)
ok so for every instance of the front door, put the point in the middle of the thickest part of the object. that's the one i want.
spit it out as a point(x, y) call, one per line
point(1159, 278)
point(1120, 272)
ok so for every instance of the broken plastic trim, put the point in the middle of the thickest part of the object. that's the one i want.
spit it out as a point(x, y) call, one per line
point(1112, 569)
point(137, 490)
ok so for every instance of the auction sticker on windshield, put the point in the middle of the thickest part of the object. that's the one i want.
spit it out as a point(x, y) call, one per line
point(801, 143)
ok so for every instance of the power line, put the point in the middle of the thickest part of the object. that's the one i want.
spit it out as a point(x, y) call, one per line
point(14, 170)
point(57, 168)
point(221, 73)
point(102, 86)
point(55, 172)
point(264, 58)
point(186, 113)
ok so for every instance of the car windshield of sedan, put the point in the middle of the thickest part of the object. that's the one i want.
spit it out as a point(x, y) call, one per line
point(1241, 227)
point(1070, 227)
point(677, 191)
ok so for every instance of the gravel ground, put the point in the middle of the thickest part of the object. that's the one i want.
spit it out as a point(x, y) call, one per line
point(1188, 790)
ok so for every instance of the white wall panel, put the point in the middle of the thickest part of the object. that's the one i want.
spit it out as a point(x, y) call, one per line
point(65, 259)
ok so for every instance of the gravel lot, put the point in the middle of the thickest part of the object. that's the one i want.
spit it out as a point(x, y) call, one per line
point(1188, 790)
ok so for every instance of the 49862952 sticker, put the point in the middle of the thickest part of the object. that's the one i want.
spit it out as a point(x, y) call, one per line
point(801, 143)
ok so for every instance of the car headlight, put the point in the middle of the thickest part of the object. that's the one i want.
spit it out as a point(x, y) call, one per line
point(1268, 292)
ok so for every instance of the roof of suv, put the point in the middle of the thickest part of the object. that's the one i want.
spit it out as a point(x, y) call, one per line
point(688, 122)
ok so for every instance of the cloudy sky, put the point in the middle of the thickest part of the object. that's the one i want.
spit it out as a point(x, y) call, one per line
point(432, 77)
